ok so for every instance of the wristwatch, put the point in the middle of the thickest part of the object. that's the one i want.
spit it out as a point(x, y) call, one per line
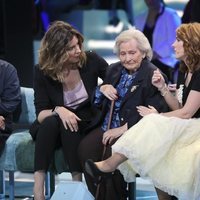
point(54, 111)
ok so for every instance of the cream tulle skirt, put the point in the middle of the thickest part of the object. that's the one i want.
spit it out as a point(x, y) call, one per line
point(165, 149)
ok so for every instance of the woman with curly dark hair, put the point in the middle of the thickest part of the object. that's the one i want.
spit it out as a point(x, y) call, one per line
point(65, 79)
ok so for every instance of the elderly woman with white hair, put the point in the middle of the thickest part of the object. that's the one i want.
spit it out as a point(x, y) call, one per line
point(171, 157)
point(128, 84)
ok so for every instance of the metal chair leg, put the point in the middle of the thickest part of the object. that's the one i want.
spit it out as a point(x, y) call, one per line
point(2, 184)
point(49, 185)
point(132, 191)
point(52, 183)
point(11, 185)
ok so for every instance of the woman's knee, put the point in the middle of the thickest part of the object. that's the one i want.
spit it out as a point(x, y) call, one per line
point(91, 146)
point(48, 128)
point(50, 122)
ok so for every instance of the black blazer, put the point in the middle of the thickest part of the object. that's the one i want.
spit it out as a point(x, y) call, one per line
point(48, 93)
point(141, 92)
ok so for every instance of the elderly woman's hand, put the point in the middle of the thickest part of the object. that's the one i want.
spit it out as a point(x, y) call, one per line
point(111, 135)
point(109, 91)
point(143, 110)
point(158, 79)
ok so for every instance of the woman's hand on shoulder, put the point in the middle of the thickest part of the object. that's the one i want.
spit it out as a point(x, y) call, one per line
point(69, 119)
point(109, 91)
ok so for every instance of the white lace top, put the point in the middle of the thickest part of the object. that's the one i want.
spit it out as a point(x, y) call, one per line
point(180, 94)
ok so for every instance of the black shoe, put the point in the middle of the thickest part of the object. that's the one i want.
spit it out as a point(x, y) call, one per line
point(94, 171)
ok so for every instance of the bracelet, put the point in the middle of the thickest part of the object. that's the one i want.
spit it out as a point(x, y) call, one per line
point(164, 93)
point(54, 111)
point(164, 90)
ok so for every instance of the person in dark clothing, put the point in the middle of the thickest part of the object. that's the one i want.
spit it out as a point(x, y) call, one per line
point(10, 98)
point(128, 83)
point(191, 12)
point(159, 24)
point(64, 82)
point(164, 146)
point(112, 6)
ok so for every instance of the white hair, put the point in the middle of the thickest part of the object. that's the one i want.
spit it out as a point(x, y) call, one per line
point(142, 42)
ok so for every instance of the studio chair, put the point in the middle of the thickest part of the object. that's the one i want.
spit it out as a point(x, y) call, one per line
point(18, 154)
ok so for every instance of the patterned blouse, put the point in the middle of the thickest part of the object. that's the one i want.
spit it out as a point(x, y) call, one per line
point(122, 87)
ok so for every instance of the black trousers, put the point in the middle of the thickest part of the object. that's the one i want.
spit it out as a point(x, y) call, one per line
point(91, 147)
point(52, 135)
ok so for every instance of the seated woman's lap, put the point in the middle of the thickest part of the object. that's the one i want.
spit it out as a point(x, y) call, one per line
point(70, 142)
point(47, 140)
point(91, 147)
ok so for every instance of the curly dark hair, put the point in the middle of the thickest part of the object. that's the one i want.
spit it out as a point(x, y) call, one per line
point(53, 52)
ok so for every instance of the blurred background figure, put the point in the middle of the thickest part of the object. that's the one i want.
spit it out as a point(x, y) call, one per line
point(55, 7)
point(159, 24)
point(46, 11)
point(191, 12)
point(113, 6)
